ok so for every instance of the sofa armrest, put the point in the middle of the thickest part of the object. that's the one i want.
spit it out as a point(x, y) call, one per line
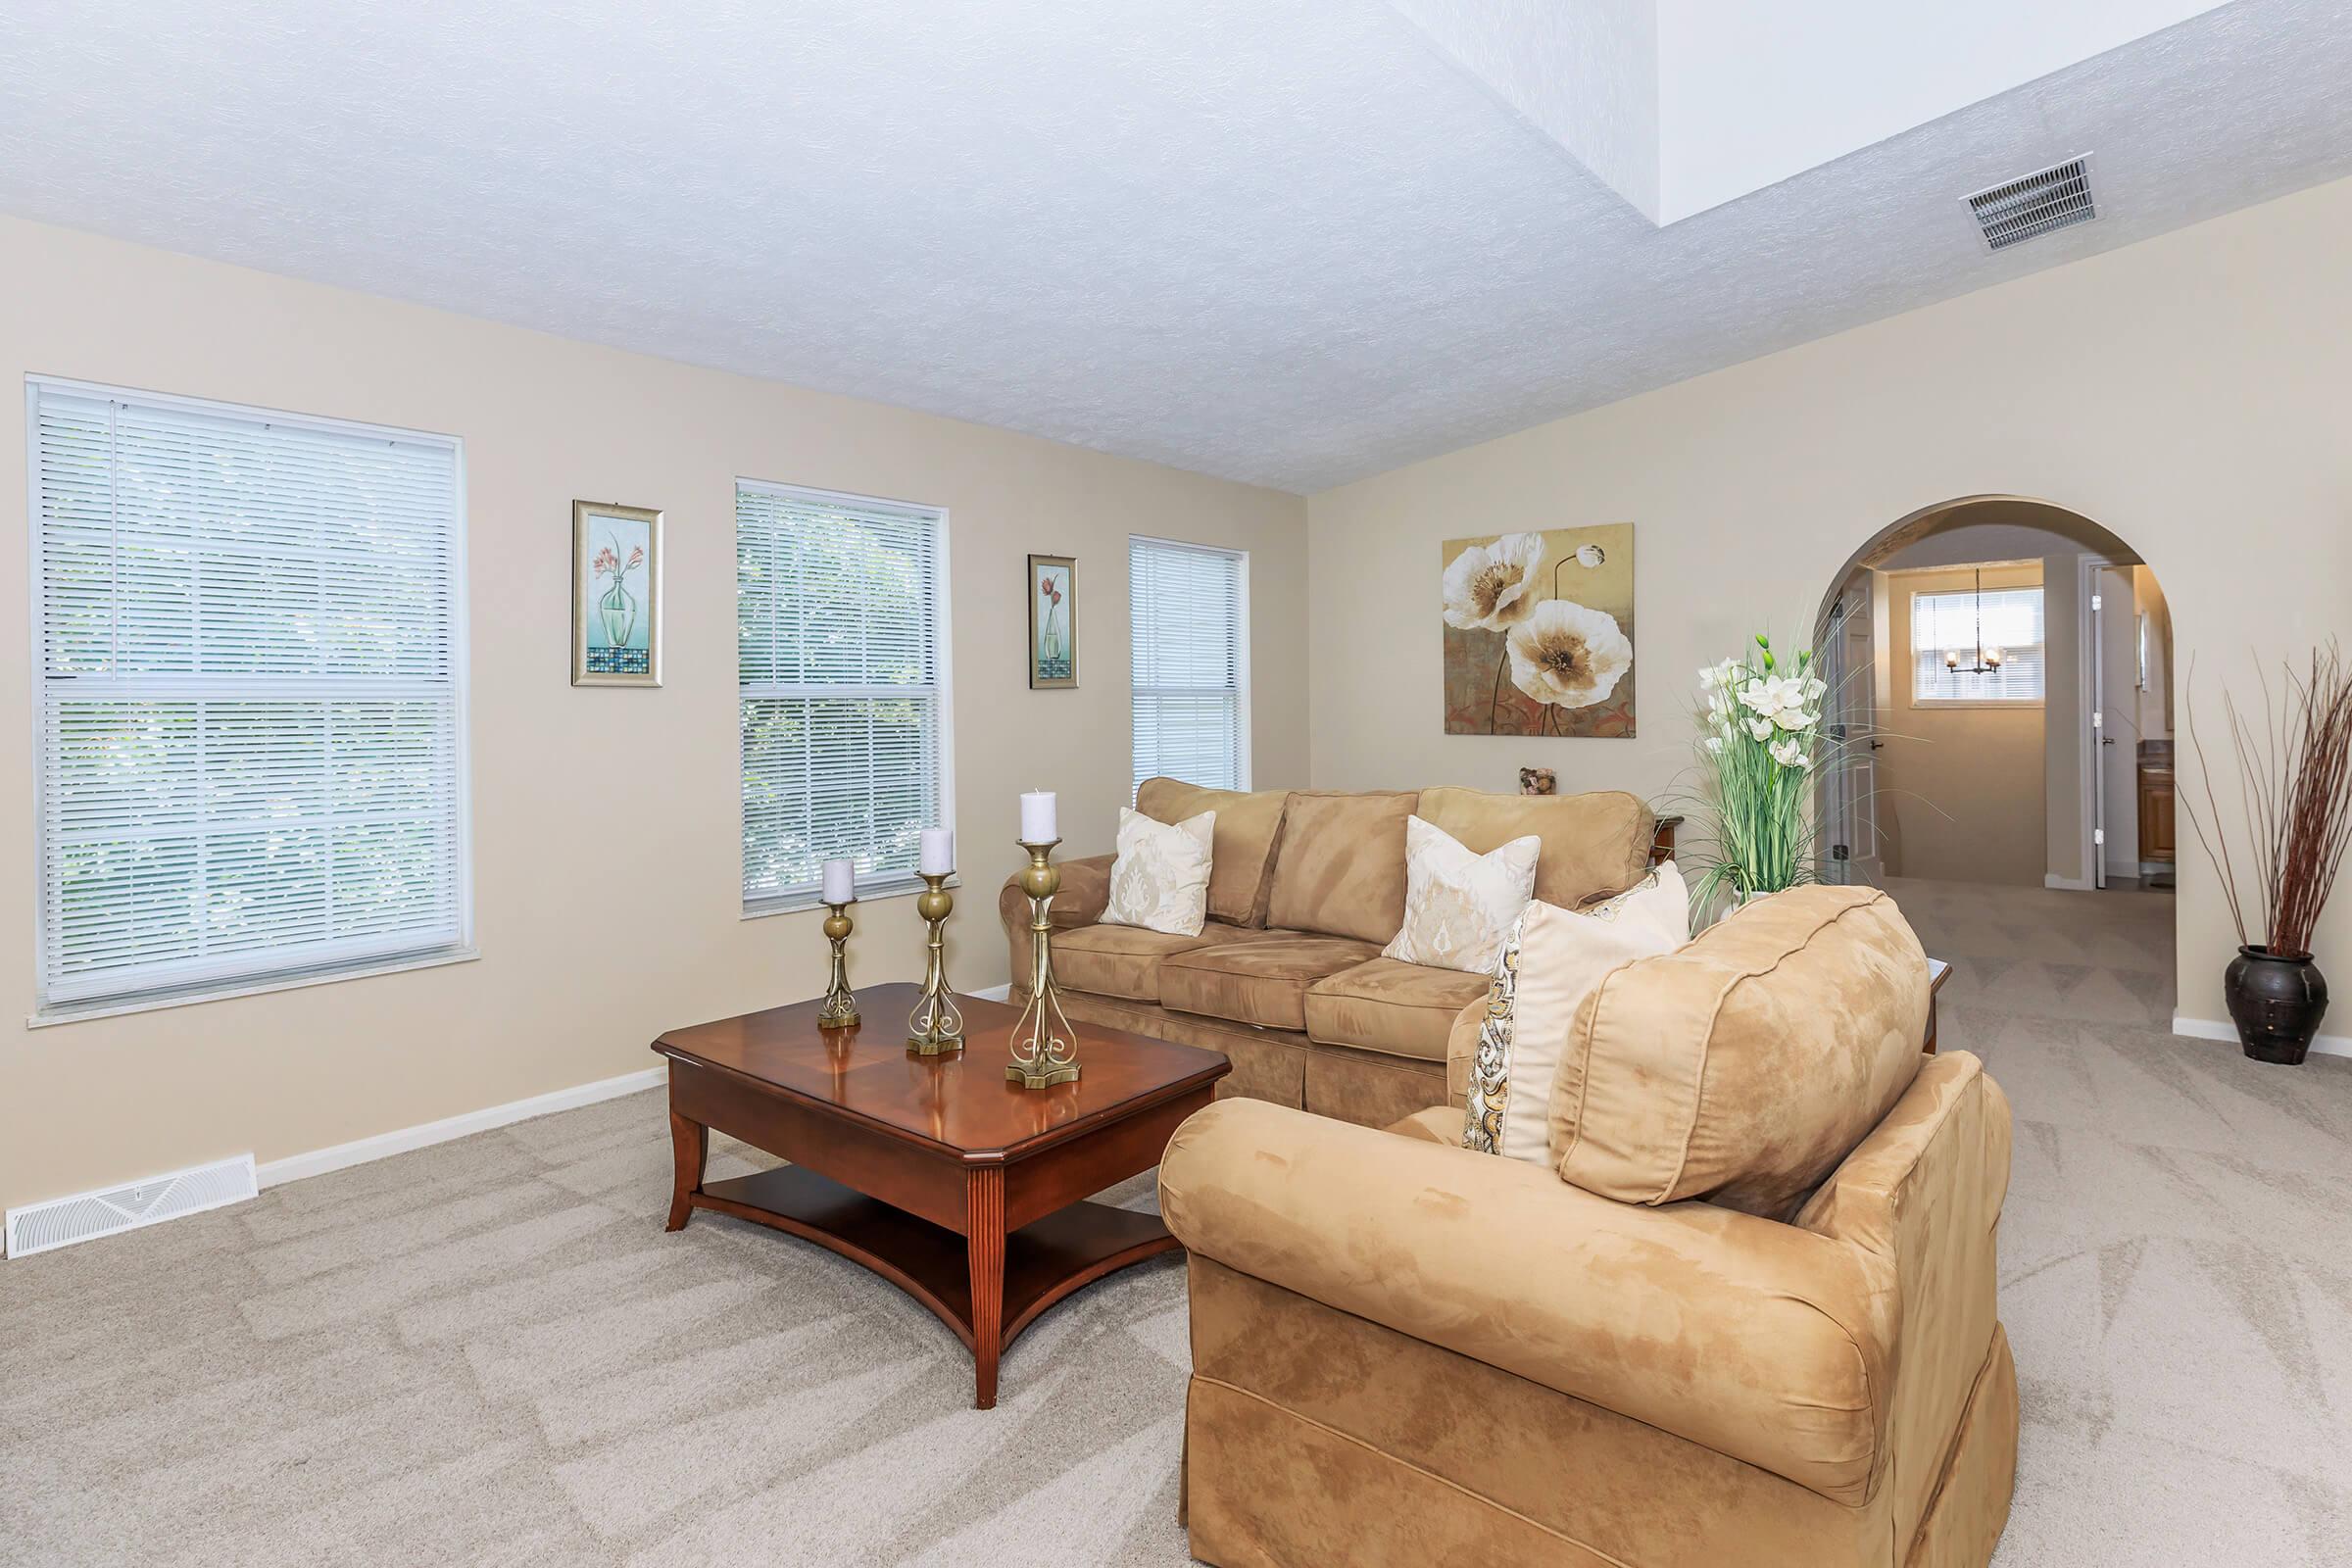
point(1758, 1340)
point(1922, 1195)
point(1085, 894)
point(1461, 1049)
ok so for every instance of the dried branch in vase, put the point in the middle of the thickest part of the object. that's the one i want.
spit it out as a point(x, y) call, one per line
point(2294, 796)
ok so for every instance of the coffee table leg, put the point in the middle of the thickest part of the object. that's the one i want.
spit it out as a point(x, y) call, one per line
point(689, 1145)
point(984, 1242)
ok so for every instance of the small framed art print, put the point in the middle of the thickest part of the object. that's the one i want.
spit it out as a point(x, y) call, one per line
point(616, 594)
point(1053, 622)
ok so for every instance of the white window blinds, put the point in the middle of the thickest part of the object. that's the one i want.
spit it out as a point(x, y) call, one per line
point(250, 731)
point(1946, 626)
point(839, 657)
point(1186, 608)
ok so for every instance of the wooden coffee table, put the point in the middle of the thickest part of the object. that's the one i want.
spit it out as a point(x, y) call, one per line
point(962, 1189)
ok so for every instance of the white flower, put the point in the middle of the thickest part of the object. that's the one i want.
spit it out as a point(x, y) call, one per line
point(1567, 653)
point(1759, 729)
point(1814, 687)
point(1714, 742)
point(1492, 587)
point(1590, 556)
point(1795, 719)
point(1788, 752)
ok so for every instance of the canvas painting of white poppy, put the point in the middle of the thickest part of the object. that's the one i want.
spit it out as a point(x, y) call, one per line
point(1540, 633)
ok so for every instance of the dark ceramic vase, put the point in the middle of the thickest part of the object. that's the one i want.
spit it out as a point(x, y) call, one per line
point(2275, 1002)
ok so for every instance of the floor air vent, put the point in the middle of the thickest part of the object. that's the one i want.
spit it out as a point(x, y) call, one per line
point(63, 1221)
point(2019, 210)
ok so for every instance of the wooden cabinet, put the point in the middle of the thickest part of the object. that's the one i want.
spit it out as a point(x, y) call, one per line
point(2156, 815)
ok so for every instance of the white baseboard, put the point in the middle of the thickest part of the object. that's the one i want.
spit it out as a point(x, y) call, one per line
point(2209, 1029)
point(2072, 884)
point(318, 1161)
point(1003, 993)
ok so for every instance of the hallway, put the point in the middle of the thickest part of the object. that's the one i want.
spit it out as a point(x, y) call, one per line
point(2162, 1185)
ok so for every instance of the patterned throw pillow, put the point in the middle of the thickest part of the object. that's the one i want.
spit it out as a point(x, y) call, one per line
point(1457, 905)
point(1550, 962)
point(1159, 880)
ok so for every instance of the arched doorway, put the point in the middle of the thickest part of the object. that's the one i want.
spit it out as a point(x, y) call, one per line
point(2002, 668)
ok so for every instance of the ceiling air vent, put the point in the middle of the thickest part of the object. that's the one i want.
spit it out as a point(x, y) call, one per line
point(2017, 209)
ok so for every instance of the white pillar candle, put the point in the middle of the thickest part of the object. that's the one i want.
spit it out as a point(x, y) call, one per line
point(939, 851)
point(1037, 818)
point(840, 881)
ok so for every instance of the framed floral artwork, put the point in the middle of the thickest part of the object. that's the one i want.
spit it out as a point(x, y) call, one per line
point(616, 594)
point(1053, 622)
point(1539, 633)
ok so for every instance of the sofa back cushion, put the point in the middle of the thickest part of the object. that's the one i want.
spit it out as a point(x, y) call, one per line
point(1746, 1065)
point(1595, 843)
point(1340, 870)
point(1249, 826)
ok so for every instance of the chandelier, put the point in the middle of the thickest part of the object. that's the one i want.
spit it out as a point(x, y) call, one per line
point(1988, 659)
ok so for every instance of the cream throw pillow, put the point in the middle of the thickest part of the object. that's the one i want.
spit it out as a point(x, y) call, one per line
point(1159, 880)
point(1551, 961)
point(1459, 906)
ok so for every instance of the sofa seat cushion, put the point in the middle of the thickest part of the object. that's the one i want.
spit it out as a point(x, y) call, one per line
point(1263, 981)
point(1123, 961)
point(1388, 1005)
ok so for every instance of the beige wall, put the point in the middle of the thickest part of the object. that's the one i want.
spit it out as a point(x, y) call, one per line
point(1959, 788)
point(2189, 393)
point(2156, 692)
point(556, 999)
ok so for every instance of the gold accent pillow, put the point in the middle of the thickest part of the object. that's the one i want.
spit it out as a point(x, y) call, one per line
point(1551, 961)
point(1159, 880)
point(1459, 904)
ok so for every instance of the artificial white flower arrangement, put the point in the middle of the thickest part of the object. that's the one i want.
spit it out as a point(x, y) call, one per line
point(1761, 746)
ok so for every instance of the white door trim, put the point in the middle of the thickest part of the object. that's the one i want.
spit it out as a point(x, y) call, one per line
point(2086, 696)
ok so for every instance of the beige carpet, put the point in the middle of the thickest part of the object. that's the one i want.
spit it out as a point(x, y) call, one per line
point(489, 1354)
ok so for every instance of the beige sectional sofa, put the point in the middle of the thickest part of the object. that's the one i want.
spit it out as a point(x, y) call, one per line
point(1305, 888)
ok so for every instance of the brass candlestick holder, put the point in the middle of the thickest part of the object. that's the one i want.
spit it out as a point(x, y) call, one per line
point(839, 1009)
point(1045, 1048)
point(935, 1026)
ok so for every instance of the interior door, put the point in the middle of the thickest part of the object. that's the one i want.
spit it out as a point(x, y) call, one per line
point(1850, 799)
point(2097, 644)
point(1858, 711)
point(2116, 628)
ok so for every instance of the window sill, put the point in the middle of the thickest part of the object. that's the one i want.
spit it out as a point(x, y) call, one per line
point(79, 1011)
point(896, 887)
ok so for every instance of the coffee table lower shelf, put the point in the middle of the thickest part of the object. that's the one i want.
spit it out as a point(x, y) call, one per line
point(1043, 1261)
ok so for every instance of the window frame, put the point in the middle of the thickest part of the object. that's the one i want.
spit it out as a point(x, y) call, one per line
point(463, 949)
point(943, 686)
point(1241, 761)
point(1911, 651)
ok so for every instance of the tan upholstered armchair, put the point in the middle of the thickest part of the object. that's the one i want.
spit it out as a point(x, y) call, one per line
point(1406, 1353)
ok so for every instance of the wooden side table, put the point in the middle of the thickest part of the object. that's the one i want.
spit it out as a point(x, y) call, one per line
point(965, 1191)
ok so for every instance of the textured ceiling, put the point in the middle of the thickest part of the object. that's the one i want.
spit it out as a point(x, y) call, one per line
point(1281, 240)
